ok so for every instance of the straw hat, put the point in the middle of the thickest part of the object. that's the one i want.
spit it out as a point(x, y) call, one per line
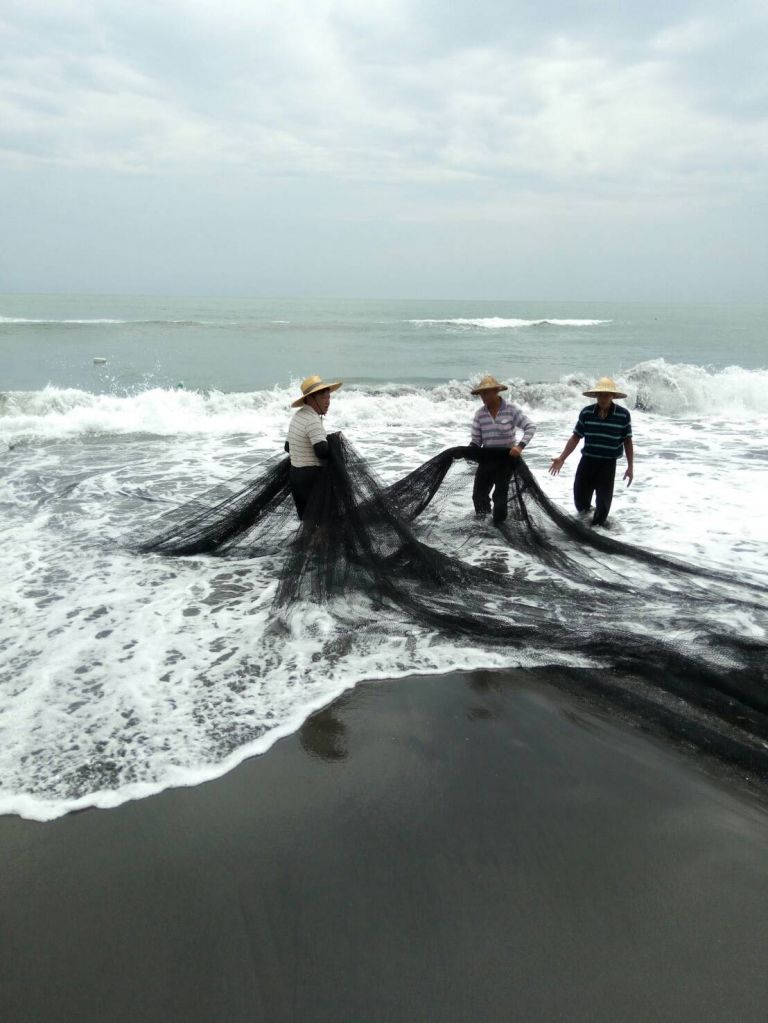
point(604, 386)
point(311, 385)
point(489, 383)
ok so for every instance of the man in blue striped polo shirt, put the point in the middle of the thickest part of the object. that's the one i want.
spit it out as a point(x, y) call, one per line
point(495, 425)
point(606, 429)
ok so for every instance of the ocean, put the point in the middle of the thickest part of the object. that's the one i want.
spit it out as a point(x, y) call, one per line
point(124, 675)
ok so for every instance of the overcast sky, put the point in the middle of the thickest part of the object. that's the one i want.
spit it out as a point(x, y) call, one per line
point(385, 148)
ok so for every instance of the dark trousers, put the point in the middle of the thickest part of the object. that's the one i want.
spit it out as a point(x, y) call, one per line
point(492, 476)
point(302, 482)
point(594, 476)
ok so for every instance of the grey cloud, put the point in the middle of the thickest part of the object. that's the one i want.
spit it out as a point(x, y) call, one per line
point(412, 119)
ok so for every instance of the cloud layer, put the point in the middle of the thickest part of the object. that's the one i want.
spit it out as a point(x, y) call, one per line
point(486, 112)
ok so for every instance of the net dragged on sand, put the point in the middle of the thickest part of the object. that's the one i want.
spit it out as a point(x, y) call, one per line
point(690, 675)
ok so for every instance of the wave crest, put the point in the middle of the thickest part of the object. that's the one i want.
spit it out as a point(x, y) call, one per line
point(501, 323)
point(655, 386)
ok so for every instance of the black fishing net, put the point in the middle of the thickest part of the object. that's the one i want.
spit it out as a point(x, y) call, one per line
point(542, 580)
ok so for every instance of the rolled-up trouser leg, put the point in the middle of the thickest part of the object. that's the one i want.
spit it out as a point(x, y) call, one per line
point(594, 476)
point(604, 491)
point(481, 491)
point(583, 484)
point(302, 481)
point(501, 492)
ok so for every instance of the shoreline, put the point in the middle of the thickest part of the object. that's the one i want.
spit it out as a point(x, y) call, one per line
point(477, 845)
point(716, 747)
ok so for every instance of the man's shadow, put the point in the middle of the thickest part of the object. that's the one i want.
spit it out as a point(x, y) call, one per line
point(324, 735)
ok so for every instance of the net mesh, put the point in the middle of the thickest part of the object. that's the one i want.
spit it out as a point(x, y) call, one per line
point(542, 581)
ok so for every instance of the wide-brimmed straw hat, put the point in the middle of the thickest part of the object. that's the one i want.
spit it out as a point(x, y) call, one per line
point(604, 386)
point(313, 384)
point(488, 383)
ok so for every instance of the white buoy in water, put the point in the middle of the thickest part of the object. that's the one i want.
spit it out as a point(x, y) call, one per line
point(98, 361)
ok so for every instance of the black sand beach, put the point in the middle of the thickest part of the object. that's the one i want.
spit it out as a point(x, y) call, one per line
point(463, 847)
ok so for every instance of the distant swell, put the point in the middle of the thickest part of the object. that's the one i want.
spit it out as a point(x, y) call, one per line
point(499, 323)
point(96, 321)
point(481, 323)
point(16, 320)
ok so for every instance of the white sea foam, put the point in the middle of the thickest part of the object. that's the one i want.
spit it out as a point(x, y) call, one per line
point(656, 386)
point(674, 388)
point(501, 323)
point(101, 321)
point(125, 675)
point(21, 320)
point(58, 413)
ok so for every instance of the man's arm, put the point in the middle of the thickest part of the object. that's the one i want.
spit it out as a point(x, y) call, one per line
point(571, 445)
point(629, 451)
point(529, 429)
point(476, 439)
point(317, 437)
point(522, 422)
point(320, 449)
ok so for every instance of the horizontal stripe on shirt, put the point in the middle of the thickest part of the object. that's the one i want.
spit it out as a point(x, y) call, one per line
point(305, 430)
point(501, 432)
point(603, 438)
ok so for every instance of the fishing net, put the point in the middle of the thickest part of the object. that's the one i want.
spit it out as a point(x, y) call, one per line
point(542, 580)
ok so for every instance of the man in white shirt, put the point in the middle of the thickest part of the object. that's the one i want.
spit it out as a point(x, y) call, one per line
point(495, 425)
point(307, 442)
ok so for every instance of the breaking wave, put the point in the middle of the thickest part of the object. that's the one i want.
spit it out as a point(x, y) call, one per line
point(655, 386)
point(500, 322)
point(102, 321)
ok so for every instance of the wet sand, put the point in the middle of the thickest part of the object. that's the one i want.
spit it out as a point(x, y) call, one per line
point(466, 847)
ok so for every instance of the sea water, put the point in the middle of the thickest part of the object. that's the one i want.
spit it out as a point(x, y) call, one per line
point(122, 675)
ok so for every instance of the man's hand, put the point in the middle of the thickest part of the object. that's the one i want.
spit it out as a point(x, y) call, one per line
point(515, 451)
point(629, 476)
point(556, 466)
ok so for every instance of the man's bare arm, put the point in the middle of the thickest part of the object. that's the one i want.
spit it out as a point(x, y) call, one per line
point(557, 463)
point(629, 451)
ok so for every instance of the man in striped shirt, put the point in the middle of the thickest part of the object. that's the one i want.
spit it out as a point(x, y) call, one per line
point(606, 429)
point(307, 443)
point(495, 425)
